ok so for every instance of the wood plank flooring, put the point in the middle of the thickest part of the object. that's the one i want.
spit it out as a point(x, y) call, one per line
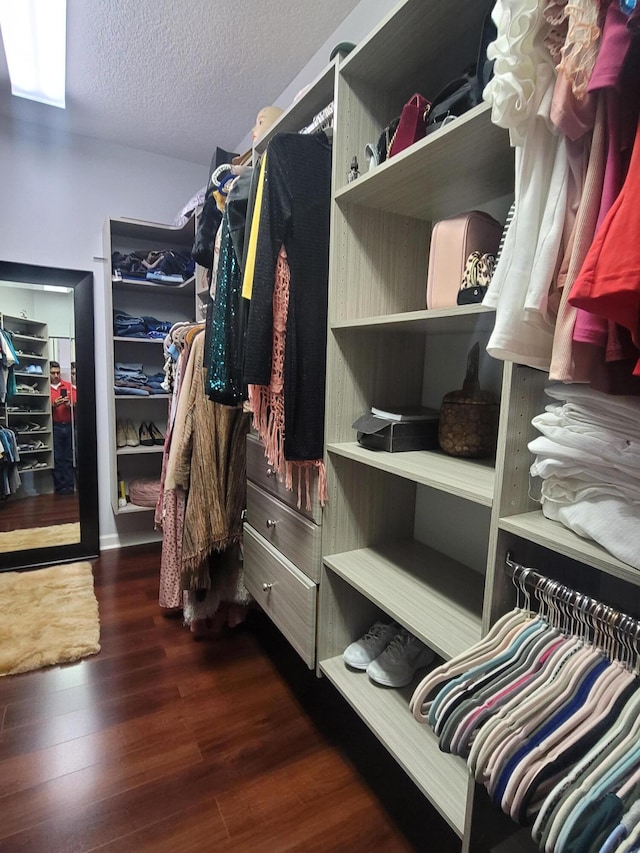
point(164, 743)
point(38, 511)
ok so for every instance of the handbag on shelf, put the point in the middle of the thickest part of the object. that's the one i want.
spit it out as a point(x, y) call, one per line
point(452, 242)
point(465, 91)
point(478, 272)
point(402, 132)
point(412, 124)
point(456, 98)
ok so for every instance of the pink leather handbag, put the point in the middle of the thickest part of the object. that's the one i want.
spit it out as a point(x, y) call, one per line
point(452, 241)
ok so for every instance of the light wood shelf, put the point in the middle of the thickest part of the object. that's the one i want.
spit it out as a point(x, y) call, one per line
point(462, 318)
point(124, 339)
point(436, 598)
point(153, 232)
point(442, 778)
point(426, 181)
point(129, 509)
point(184, 288)
point(472, 480)
point(136, 451)
point(139, 397)
point(534, 527)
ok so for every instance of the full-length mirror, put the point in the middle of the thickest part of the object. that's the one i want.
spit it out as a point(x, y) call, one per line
point(49, 498)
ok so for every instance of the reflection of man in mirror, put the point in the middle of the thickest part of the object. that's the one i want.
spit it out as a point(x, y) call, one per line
point(63, 401)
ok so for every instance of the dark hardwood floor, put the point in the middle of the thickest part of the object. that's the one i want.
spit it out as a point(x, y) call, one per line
point(164, 743)
point(38, 511)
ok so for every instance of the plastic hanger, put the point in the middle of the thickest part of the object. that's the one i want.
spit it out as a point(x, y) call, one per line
point(474, 663)
point(489, 737)
point(451, 692)
point(460, 725)
point(533, 712)
point(494, 683)
point(603, 694)
point(473, 721)
point(572, 787)
point(506, 625)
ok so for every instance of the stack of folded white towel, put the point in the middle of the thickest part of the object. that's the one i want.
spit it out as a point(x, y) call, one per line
point(588, 458)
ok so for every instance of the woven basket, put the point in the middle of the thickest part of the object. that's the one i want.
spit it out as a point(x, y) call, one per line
point(469, 418)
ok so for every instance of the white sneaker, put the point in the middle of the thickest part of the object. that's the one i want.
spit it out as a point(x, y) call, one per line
point(397, 664)
point(360, 653)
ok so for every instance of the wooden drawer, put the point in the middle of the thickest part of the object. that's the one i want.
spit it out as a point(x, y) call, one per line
point(260, 472)
point(294, 536)
point(286, 595)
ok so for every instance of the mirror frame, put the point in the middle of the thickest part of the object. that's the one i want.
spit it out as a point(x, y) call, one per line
point(87, 470)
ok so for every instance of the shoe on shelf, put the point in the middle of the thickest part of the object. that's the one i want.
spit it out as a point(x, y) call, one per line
point(145, 436)
point(399, 662)
point(155, 433)
point(130, 435)
point(362, 652)
point(121, 439)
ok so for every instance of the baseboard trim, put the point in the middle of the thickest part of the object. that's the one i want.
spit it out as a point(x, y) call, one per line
point(112, 541)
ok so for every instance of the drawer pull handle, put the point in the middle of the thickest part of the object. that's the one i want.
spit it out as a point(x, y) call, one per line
point(271, 472)
point(266, 587)
point(271, 523)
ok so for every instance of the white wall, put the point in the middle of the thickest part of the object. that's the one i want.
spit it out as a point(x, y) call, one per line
point(358, 24)
point(56, 191)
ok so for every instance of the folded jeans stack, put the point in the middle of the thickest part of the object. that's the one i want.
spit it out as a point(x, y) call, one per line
point(129, 326)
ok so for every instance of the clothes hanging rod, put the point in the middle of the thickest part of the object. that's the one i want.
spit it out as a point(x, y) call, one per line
point(606, 615)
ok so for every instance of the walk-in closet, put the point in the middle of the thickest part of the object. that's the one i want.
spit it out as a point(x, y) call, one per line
point(349, 349)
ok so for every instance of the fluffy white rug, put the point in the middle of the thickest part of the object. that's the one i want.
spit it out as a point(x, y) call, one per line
point(49, 616)
point(40, 537)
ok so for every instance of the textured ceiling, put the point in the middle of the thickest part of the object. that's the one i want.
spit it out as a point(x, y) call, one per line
point(178, 77)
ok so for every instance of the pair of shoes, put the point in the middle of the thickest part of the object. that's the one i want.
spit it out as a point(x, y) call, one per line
point(144, 435)
point(156, 435)
point(33, 368)
point(389, 653)
point(126, 435)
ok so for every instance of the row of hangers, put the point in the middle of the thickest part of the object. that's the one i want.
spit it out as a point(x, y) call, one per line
point(546, 712)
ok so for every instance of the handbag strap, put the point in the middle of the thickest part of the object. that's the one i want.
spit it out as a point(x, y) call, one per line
point(421, 103)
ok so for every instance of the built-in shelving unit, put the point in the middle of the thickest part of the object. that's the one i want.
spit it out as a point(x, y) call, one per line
point(418, 537)
point(166, 302)
point(30, 339)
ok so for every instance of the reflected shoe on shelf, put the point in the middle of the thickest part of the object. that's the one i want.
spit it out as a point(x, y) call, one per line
point(145, 436)
point(155, 433)
point(362, 652)
point(130, 435)
point(121, 439)
point(401, 659)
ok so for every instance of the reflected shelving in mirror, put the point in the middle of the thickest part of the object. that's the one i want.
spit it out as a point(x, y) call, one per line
point(47, 410)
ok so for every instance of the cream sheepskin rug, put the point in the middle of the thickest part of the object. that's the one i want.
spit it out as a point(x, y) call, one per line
point(49, 616)
point(40, 537)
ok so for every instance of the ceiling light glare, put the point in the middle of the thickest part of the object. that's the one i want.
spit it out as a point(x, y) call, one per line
point(34, 33)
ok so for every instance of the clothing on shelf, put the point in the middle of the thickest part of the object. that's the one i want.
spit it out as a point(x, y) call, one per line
point(165, 267)
point(544, 710)
point(588, 460)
